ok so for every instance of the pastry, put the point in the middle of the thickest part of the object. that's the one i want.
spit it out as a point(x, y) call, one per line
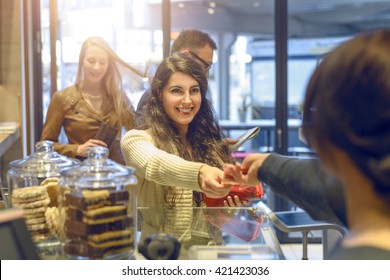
point(97, 223)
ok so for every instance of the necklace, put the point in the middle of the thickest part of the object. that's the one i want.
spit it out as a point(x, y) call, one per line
point(95, 101)
point(91, 96)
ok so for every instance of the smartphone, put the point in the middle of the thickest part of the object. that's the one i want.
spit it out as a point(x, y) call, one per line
point(249, 134)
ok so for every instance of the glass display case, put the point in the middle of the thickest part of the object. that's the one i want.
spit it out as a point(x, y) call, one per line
point(34, 169)
point(97, 213)
point(226, 233)
point(32, 184)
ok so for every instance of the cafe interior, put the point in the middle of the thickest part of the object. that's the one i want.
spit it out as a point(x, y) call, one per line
point(267, 50)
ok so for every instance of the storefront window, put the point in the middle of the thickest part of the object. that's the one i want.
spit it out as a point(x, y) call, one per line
point(123, 24)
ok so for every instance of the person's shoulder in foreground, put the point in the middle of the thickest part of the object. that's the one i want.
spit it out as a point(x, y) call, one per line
point(346, 121)
point(359, 253)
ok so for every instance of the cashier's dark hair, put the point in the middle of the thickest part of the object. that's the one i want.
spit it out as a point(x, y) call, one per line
point(347, 104)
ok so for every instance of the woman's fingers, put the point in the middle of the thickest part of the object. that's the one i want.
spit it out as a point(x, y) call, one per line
point(216, 190)
point(232, 174)
point(229, 181)
point(96, 142)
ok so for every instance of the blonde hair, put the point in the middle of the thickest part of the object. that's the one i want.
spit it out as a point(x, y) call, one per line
point(113, 78)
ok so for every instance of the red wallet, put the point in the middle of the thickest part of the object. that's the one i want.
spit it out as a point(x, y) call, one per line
point(244, 194)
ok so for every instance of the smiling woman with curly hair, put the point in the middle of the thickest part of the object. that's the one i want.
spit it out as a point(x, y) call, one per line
point(178, 153)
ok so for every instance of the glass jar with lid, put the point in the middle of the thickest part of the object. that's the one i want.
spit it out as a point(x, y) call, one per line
point(32, 184)
point(98, 208)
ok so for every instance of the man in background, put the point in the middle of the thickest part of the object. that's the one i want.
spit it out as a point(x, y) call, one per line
point(191, 42)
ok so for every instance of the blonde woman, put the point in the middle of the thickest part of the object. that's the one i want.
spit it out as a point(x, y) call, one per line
point(94, 111)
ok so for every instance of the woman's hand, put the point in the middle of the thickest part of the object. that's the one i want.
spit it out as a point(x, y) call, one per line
point(244, 174)
point(82, 150)
point(210, 179)
point(234, 202)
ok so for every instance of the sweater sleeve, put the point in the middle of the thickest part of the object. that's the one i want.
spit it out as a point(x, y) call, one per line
point(157, 165)
point(305, 183)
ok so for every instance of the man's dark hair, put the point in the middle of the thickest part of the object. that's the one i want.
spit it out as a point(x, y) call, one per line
point(192, 39)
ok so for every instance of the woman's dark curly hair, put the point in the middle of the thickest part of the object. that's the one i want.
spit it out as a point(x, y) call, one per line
point(204, 135)
point(348, 104)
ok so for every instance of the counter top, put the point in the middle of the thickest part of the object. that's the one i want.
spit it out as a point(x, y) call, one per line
point(266, 123)
point(9, 134)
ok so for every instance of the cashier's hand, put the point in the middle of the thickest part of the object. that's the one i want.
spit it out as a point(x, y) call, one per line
point(245, 173)
point(82, 150)
point(210, 179)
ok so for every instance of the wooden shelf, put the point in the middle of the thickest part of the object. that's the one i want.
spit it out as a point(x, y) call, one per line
point(9, 134)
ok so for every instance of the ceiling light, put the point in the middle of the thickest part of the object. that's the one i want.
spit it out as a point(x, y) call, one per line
point(211, 11)
point(181, 5)
point(212, 4)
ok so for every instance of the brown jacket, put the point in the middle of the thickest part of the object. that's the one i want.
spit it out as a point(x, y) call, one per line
point(68, 109)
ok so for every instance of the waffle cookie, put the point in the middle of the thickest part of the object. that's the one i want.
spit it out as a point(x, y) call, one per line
point(78, 229)
point(86, 250)
point(97, 224)
point(102, 215)
point(92, 199)
point(103, 244)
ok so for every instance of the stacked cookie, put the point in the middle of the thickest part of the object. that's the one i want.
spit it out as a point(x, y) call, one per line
point(34, 200)
point(54, 217)
point(97, 224)
point(51, 185)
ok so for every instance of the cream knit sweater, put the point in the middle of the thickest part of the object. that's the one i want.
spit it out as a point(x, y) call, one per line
point(157, 172)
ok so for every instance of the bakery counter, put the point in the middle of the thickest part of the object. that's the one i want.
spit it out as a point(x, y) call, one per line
point(9, 134)
point(223, 233)
point(219, 233)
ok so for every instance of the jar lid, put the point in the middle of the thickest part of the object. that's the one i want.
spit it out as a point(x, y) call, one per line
point(98, 171)
point(45, 162)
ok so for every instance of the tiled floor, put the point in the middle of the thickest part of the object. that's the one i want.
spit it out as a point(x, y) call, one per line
point(294, 251)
